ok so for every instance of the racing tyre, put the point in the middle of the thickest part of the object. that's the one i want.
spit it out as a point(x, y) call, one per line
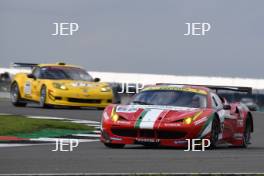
point(43, 97)
point(15, 96)
point(214, 133)
point(247, 134)
point(109, 145)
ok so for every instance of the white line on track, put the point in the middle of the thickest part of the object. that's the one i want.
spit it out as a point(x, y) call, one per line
point(87, 135)
point(14, 145)
point(86, 121)
point(64, 139)
point(50, 142)
point(59, 118)
point(46, 117)
point(94, 125)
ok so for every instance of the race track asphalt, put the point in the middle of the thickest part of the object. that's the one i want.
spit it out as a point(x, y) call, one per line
point(34, 110)
point(93, 157)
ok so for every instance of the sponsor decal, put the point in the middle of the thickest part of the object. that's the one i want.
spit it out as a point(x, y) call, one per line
point(180, 142)
point(200, 121)
point(82, 84)
point(127, 109)
point(27, 88)
point(147, 140)
point(123, 122)
point(116, 139)
point(238, 135)
point(172, 124)
point(240, 123)
point(184, 89)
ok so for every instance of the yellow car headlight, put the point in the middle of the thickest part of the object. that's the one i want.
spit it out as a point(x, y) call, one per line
point(59, 86)
point(105, 89)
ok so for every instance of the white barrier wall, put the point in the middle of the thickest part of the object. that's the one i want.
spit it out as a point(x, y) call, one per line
point(14, 71)
point(156, 78)
point(199, 80)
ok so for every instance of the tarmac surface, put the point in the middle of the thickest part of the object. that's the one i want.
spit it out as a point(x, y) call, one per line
point(93, 157)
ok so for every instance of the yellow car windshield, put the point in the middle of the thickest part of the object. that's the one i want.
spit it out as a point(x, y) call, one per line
point(64, 73)
point(171, 98)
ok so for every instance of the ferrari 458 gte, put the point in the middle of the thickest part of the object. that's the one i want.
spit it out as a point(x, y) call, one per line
point(167, 115)
point(60, 84)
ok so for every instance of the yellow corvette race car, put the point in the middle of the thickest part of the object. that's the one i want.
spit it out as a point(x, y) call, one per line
point(60, 84)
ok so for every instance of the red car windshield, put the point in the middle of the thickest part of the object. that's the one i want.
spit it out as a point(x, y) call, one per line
point(171, 98)
point(64, 73)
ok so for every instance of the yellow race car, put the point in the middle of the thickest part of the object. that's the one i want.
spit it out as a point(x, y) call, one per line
point(60, 84)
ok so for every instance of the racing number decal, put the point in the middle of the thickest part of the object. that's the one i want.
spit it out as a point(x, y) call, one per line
point(27, 88)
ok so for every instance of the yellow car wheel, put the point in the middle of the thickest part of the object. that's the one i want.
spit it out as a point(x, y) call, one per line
point(43, 97)
point(15, 96)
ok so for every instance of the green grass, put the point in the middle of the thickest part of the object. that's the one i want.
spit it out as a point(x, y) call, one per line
point(11, 125)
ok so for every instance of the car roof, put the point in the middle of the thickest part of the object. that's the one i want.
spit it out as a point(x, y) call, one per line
point(59, 65)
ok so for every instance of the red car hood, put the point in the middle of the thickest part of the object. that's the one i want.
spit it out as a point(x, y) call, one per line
point(152, 112)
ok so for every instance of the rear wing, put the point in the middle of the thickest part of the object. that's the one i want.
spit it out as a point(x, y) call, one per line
point(23, 65)
point(247, 90)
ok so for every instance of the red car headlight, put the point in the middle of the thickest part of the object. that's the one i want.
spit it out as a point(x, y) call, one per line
point(113, 116)
point(189, 120)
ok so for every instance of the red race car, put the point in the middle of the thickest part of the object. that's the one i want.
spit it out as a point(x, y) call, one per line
point(168, 115)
